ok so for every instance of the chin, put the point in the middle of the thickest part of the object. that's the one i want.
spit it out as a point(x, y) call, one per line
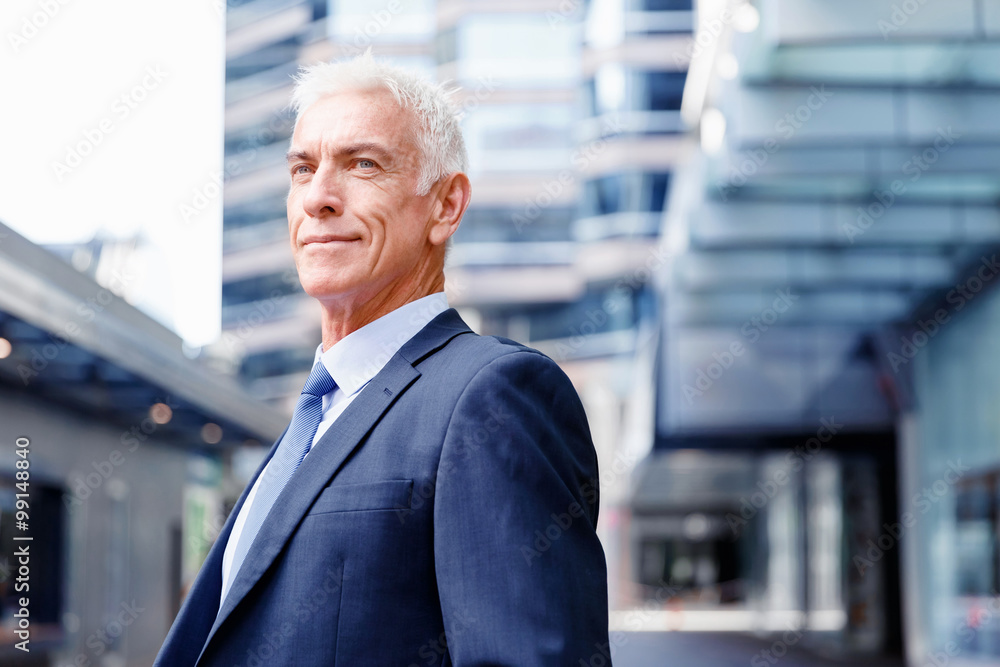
point(327, 289)
point(324, 291)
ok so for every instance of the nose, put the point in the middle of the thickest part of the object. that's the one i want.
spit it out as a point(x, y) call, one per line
point(323, 196)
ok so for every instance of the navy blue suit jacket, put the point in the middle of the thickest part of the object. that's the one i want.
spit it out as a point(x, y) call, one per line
point(446, 518)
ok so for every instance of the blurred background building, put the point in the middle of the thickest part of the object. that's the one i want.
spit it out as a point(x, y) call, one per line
point(826, 308)
point(123, 435)
point(760, 237)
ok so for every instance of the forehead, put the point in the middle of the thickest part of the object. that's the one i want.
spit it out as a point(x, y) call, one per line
point(353, 117)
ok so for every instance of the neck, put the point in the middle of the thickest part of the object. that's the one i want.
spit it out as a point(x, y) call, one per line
point(341, 318)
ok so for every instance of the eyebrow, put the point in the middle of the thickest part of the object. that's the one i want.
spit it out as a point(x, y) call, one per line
point(350, 149)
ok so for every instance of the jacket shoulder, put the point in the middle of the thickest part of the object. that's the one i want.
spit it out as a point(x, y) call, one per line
point(447, 346)
point(480, 351)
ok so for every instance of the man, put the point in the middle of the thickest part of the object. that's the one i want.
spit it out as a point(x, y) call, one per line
point(434, 499)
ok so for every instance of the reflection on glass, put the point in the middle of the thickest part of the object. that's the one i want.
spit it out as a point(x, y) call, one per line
point(365, 23)
point(975, 623)
point(525, 48)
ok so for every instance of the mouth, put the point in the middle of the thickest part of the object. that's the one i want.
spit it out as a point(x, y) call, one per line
point(328, 240)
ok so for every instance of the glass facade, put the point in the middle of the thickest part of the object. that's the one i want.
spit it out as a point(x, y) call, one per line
point(625, 192)
point(817, 268)
point(362, 24)
point(524, 50)
point(520, 138)
point(615, 88)
point(954, 497)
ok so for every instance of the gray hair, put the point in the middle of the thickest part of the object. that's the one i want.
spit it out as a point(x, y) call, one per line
point(438, 132)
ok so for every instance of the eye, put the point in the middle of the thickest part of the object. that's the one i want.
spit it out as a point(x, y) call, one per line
point(365, 163)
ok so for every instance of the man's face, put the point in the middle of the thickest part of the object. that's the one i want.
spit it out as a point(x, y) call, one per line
point(358, 231)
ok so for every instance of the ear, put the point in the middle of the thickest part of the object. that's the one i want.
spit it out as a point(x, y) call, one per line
point(452, 197)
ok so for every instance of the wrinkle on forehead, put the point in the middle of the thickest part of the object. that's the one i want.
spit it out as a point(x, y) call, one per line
point(366, 125)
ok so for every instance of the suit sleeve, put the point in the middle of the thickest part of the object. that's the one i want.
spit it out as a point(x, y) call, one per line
point(521, 574)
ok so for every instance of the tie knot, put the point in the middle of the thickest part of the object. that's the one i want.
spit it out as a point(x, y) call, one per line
point(319, 382)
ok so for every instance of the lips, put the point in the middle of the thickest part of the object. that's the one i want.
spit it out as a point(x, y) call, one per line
point(328, 238)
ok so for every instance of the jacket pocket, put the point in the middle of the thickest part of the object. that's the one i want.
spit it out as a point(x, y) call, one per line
point(391, 494)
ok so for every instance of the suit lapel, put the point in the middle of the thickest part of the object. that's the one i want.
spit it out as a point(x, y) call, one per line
point(330, 452)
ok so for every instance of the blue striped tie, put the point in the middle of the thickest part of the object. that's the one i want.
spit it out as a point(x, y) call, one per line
point(286, 459)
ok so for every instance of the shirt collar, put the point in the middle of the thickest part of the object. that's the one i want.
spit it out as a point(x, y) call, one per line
point(358, 357)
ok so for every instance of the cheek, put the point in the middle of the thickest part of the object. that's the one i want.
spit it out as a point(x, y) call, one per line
point(292, 212)
point(293, 227)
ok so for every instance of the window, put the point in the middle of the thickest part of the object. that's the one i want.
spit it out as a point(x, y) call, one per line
point(515, 224)
point(664, 5)
point(664, 90)
point(277, 362)
point(260, 60)
point(976, 535)
point(521, 48)
point(254, 212)
point(362, 23)
point(604, 195)
point(446, 45)
point(609, 90)
point(625, 192)
point(519, 137)
point(616, 88)
point(658, 184)
point(598, 311)
point(259, 287)
point(277, 129)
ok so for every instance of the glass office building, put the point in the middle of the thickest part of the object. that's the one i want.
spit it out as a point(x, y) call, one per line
point(826, 312)
point(951, 450)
